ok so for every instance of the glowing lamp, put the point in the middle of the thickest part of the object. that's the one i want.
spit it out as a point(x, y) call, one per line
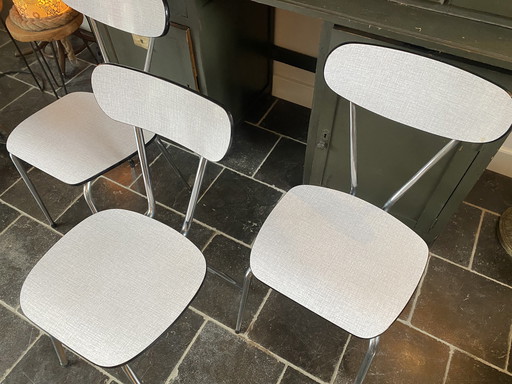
point(38, 9)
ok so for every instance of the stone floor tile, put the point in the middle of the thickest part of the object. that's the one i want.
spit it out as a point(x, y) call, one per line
point(237, 205)
point(404, 356)
point(106, 195)
point(299, 336)
point(458, 238)
point(129, 171)
point(168, 188)
point(15, 338)
point(466, 310)
point(465, 369)
point(7, 169)
point(220, 299)
point(9, 62)
point(291, 376)
point(288, 119)
point(41, 366)
point(492, 192)
point(26, 106)
point(284, 167)
point(21, 246)
point(156, 364)
point(490, 257)
point(81, 81)
point(220, 357)
point(260, 108)
point(56, 195)
point(10, 89)
point(7, 216)
point(249, 148)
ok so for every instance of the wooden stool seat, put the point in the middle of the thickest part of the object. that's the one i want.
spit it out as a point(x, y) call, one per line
point(54, 34)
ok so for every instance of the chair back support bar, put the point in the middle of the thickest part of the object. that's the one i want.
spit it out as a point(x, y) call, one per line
point(146, 18)
point(164, 108)
point(439, 99)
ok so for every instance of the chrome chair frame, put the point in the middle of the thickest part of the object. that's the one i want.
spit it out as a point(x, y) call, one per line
point(445, 151)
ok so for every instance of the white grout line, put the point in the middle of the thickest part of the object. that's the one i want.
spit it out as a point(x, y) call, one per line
point(260, 308)
point(11, 224)
point(448, 364)
point(268, 111)
point(175, 371)
point(475, 244)
point(507, 361)
point(483, 209)
point(210, 186)
point(16, 99)
point(277, 133)
point(470, 270)
point(418, 291)
point(338, 364)
point(280, 378)
point(266, 157)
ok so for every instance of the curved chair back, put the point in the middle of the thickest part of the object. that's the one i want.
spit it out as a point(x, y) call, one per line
point(163, 107)
point(146, 18)
point(420, 92)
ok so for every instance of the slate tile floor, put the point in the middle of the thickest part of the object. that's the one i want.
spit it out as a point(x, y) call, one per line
point(457, 328)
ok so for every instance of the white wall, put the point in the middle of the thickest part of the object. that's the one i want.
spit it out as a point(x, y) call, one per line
point(302, 34)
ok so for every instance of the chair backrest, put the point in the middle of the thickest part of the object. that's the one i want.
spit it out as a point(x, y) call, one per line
point(420, 92)
point(146, 18)
point(163, 107)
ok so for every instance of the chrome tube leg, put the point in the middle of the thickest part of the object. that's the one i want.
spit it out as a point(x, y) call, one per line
point(130, 374)
point(370, 353)
point(243, 299)
point(168, 157)
point(88, 197)
point(144, 166)
point(32, 188)
point(222, 275)
point(59, 350)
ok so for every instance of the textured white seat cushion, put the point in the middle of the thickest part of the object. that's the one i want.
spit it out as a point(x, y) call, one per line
point(113, 285)
point(73, 140)
point(341, 257)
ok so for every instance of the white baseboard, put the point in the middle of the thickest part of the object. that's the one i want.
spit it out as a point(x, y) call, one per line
point(502, 162)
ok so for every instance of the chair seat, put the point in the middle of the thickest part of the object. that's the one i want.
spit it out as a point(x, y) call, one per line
point(341, 257)
point(112, 285)
point(73, 140)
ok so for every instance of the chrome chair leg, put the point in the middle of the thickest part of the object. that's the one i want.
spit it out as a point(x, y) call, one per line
point(130, 374)
point(88, 197)
point(167, 156)
point(243, 299)
point(59, 350)
point(32, 189)
point(370, 353)
point(222, 275)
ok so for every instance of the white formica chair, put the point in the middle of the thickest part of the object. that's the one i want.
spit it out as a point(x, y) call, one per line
point(339, 256)
point(72, 139)
point(114, 283)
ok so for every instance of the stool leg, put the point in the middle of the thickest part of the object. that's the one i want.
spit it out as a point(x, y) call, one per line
point(32, 189)
point(37, 52)
point(55, 55)
point(40, 86)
